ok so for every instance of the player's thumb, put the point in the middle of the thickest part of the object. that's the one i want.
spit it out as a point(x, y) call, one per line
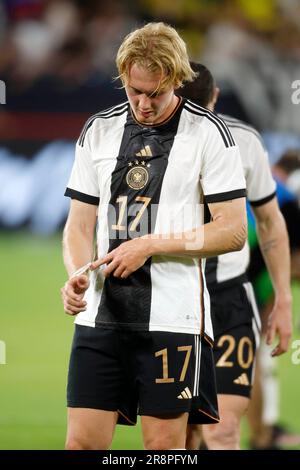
point(81, 284)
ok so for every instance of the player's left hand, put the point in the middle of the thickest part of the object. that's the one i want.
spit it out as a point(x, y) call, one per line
point(280, 323)
point(125, 259)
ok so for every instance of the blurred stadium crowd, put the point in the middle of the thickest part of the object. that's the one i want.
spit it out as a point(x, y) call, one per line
point(57, 61)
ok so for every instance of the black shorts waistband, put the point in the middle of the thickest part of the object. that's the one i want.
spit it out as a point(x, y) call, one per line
point(217, 286)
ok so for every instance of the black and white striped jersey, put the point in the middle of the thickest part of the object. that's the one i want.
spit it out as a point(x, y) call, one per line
point(153, 179)
point(261, 188)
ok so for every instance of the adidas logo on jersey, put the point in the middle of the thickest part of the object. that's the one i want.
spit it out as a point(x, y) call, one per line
point(145, 152)
point(185, 394)
point(242, 380)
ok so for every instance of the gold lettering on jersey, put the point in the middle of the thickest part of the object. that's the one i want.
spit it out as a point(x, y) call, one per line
point(145, 152)
point(165, 378)
point(137, 177)
point(245, 342)
point(187, 350)
point(223, 361)
point(146, 201)
point(122, 200)
point(245, 353)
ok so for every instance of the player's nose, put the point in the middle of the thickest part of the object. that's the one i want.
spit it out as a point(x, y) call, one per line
point(145, 102)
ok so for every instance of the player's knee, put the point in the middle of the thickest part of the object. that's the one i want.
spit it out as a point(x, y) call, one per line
point(81, 443)
point(224, 435)
point(159, 443)
point(164, 441)
point(74, 444)
point(193, 437)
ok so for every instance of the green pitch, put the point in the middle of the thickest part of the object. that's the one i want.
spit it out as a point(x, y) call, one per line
point(37, 335)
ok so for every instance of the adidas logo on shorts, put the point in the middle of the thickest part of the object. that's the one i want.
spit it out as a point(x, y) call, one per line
point(185, 394)
point(242, 380)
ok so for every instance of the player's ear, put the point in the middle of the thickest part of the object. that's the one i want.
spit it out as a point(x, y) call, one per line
point(216, 94)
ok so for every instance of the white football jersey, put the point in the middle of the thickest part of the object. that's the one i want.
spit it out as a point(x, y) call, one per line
point(153, 179)
point(261, 188)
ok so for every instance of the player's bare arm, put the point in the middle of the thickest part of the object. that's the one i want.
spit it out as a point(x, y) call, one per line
point(227, 232)
point(78, 240)
point(273, 240)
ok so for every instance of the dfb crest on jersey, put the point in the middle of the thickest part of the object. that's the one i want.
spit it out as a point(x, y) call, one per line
point(137, 177)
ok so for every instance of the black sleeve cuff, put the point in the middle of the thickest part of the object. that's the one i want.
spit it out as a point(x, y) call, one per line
point(220, 197)
point(260, 202)
point(82, 197)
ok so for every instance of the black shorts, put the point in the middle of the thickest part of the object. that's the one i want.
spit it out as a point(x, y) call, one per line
point(150, 373)
point(235, 344)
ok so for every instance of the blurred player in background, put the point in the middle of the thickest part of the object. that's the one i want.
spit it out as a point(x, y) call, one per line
point(143, 337)
point(263, 415)
point(235, 317)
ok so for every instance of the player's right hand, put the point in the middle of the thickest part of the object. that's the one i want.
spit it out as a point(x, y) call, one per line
point(73, 292)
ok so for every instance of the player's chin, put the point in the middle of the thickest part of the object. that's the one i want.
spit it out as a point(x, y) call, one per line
point(146, 118)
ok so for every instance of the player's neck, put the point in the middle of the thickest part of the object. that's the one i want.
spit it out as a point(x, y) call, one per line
point(169, 111)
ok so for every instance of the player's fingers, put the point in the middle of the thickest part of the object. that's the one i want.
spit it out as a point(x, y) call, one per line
point(285, 343)
point(125, 274)
point(82, 284)
point(76, 303)
point(83, 281)
point(270, 335)
point(70, 289)
point(64, 294)
point(282, 347)
point(110, 268)
point(68, 312)
point(106, 259)
point(70, 294)
point(119, 271)
point(73, 310)
point(276, 351)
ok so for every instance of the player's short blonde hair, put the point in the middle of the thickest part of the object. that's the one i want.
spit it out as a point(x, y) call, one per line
point(159, 48)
